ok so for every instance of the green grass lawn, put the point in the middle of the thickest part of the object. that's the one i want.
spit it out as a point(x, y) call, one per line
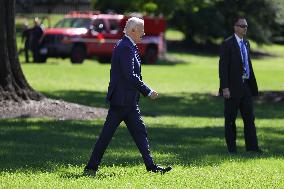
point(185, 128)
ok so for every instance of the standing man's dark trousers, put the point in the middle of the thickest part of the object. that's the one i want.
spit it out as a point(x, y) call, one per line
point(245, 104)
point(132, 118)
point(36, 54)
point(26, 49)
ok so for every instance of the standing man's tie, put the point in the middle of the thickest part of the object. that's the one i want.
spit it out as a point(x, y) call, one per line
point(245, 59)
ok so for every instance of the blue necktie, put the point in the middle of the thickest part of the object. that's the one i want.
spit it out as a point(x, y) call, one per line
point(245, 59)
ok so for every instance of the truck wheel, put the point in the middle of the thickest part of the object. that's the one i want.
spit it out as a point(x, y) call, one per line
point(78, 54)
point(41, 59)
point(104, 59)
point(151, 55)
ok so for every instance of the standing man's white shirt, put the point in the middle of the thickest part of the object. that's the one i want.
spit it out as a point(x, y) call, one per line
point(239, 43)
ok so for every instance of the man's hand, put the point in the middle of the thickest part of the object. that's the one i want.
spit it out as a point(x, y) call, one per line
point(154, 95)
point(226, 93)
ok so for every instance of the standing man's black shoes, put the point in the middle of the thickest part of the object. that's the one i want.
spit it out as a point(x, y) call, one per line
point(257, 151)
point(89, 172)
point(232, 151)
point(159, 169)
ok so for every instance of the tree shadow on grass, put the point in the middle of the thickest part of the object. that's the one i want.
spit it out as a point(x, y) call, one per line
point(209, 49)
point(177, 104)
point(47, 145)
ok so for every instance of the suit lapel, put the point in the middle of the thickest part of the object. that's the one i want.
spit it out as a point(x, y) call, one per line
point(136, 57)
point(237, 47)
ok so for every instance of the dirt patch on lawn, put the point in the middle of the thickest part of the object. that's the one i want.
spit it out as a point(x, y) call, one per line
point(271, 96)
point(49, 108)
point(62, 110)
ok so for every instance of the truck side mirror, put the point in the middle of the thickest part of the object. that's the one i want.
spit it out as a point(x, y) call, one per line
point(94, 29)
point(100, 29)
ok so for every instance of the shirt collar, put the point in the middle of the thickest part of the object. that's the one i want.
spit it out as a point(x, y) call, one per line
point(130, 39)
point(238, 39)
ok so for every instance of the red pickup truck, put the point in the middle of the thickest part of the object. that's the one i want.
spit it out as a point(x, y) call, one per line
point(81, 35)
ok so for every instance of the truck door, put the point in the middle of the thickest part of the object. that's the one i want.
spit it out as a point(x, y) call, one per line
point(113, 34)
point(106, 33)
point(98, 43)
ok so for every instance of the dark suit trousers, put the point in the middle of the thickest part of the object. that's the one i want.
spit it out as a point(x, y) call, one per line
point(132, 118)
point(26, 49)
point(245, 105)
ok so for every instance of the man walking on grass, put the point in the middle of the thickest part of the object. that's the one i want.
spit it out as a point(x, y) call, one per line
point(238, 86)
point(123, 95)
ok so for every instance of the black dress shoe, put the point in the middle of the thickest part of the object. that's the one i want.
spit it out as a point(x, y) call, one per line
point(232, 152)
point(89, 172)
point(257, 151)
point(159, 169)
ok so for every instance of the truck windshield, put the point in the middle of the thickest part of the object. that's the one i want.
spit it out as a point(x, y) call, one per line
point(74, 23)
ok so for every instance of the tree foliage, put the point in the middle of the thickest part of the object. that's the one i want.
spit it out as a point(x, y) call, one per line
point(205, 21)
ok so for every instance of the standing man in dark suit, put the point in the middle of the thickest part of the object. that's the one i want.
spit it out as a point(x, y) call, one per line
point(238, 86)
point(123, 94)
point(26, 35)
point(36, 34)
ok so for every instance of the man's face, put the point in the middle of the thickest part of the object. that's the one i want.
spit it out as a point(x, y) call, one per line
point(138, 33)
point(241, 27)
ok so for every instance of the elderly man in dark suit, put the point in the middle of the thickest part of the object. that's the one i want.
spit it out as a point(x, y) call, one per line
point(238, 86)
point(123, 94)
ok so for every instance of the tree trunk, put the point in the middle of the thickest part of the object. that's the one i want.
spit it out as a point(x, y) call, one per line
point(13, 84)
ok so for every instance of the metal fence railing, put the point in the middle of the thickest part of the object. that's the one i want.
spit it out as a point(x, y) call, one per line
point(51, 6)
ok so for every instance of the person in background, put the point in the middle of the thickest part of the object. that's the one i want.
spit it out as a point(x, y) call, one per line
point(26, 38)
point(36, 34)
point(238, 86)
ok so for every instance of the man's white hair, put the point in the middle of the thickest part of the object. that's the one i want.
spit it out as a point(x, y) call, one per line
point(133, 22)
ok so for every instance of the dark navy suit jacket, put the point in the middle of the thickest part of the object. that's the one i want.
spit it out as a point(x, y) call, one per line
point(231, 68)
point(126, 82)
